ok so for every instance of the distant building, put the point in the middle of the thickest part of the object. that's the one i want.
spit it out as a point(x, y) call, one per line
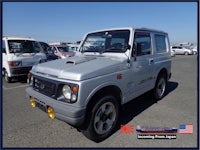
point(186, 44)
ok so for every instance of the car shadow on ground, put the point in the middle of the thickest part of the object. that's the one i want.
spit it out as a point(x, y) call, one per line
point(140, 104)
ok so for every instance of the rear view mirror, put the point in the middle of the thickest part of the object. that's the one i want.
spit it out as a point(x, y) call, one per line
point(128, 47)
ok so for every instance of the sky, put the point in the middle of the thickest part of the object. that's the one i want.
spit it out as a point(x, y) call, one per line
point(70, 21)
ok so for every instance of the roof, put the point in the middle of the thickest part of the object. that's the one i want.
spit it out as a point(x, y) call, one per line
point(129, 28)
point(18, 38)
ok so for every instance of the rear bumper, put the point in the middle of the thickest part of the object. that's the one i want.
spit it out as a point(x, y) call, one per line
point(63, 111)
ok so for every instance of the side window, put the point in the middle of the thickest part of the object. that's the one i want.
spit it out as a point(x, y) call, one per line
point(3, 47)
point(143, 41)
point(160, 43)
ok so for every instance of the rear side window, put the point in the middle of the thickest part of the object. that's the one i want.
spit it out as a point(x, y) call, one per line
point(160, 43)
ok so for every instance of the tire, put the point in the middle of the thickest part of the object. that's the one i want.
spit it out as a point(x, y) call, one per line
point(160, 87)
point(6, 77)
point(102, 118)
point(186, 53)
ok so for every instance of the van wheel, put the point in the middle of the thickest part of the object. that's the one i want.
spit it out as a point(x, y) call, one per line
point(160, 87)
point(102, 118)
point(6, 77)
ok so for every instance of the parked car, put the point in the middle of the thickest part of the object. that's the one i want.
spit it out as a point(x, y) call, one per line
point(49, 53)
point(88, 90)
point(182, 50)
point(73, 47)
point(62, 51)
point(19, 55)
point(173, 54)
point(194, 49)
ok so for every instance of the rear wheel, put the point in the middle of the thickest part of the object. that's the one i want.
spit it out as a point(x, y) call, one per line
point(102, 118)
point(160, 87)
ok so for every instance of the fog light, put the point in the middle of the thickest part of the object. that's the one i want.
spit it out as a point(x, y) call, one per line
point(32, 101)
point(50, 112)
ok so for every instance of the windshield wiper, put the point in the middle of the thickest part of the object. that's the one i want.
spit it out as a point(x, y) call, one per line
point(112, 49)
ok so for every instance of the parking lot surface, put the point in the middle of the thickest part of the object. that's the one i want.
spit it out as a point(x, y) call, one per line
point(24, 126)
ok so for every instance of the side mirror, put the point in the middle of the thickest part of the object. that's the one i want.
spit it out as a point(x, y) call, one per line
point(134, 52)
point(128, 47)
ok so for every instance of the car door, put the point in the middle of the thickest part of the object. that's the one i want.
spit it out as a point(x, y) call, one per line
point(142, 63)
point(179, 50)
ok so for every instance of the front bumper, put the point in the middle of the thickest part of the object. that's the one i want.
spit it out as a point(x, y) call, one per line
point(63, 111)
point(19, 71)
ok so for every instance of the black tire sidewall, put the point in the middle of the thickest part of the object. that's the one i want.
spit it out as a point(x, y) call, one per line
point(6, 77)
point(90, 131)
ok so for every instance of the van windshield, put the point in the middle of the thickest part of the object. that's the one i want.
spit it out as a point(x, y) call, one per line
point(106, 41)
point(24, 46)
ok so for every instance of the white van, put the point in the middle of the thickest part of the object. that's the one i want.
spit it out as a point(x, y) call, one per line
point(19, 55)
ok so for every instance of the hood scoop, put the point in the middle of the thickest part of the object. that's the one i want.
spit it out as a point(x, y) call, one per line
point(80, 60)
point(70, 62)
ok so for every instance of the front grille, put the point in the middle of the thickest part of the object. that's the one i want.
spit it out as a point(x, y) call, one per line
point(45, 87)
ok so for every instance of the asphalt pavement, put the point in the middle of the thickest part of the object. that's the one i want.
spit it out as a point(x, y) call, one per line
point(27, 127)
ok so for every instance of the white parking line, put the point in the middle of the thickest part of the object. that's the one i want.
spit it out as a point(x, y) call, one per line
point(10, 88)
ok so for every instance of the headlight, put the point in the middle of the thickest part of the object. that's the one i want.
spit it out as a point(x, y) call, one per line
point(14, 63)
point(67, 91)
point(70, 92)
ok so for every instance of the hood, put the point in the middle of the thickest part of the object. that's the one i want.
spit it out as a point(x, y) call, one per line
point(81, 67)
point(28, 59)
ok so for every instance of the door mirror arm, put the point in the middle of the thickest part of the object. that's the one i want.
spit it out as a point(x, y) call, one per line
point(134, 53)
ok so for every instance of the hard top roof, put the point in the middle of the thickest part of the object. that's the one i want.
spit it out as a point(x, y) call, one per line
point(129, 28)
point(18, 38)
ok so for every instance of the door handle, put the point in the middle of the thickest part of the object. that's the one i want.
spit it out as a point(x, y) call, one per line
point(151, 61)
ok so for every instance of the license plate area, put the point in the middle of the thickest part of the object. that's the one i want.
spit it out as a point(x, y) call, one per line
point(41, 105)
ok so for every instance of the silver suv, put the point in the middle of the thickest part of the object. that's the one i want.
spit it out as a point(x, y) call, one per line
point(113, 67)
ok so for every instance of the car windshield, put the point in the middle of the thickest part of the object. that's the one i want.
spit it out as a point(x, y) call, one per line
point(106, 41)
point(63, 48)
point(24, 46)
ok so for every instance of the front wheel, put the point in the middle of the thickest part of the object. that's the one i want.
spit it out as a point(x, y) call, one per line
point(103, 118)
point(6, 77)
point(186, 53)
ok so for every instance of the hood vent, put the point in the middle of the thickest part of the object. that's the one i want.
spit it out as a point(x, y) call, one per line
point(78, 61)
point(70, 62)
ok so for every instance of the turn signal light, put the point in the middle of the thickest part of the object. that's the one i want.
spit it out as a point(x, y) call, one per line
point(75, 89)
